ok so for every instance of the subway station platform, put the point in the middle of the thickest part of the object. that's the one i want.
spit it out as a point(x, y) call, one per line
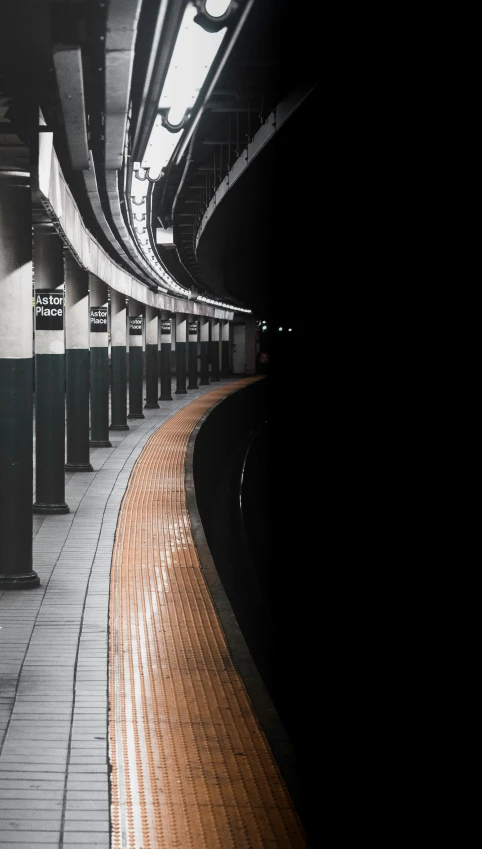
point(125, 712)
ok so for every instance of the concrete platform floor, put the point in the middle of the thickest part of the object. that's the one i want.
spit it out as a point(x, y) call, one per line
point(54, 787)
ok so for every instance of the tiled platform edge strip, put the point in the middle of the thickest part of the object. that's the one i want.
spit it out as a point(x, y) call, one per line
point(53, 660)
point(191, 768)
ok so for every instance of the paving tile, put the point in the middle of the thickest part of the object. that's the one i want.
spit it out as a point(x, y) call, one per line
point(86, 825)
point(28, 839)
point(32, 808)
point(58, 638)
point(100, 843)
point(31, 794)
point(41, 824)
point(7, 843)
point(11, 781)
point(75, 813)
point(86, 795)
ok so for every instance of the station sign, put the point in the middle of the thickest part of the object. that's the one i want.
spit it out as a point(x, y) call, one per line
point(98, 319)
point(193, 328)
point(166, 327)
point(49, 309)
point(135, 325)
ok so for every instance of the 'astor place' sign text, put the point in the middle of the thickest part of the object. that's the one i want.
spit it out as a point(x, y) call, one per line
point(49, 309)
point(98, 319)
point(135, 325)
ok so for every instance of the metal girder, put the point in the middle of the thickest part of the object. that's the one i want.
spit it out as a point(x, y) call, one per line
point(70, 82)
point(121, 31)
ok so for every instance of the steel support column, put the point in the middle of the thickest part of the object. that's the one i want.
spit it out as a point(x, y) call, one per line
point(192, 352)
point(118, 361)
point(214, 350)
point(225, 350)
point(136, 325)
point(77, 362)
point(166, 341)
point(181, 322)
point(99, 365)
point(49, 373)
point(152, 358)
point(204, 322)
point(16, 383)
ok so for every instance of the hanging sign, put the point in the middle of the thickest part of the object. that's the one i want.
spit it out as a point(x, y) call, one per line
point(49, 309)
point(166, 327)
point(193, 328)
point(135, 325)
point(98, 319)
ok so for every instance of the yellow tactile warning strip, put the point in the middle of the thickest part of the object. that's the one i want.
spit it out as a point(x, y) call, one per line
point(191, 768)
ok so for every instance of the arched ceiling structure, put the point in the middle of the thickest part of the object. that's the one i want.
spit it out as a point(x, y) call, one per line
point(97, 70)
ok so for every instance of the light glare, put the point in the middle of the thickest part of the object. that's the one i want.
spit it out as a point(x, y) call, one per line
point(216, 8)
point(193, 55)
point(159, 149)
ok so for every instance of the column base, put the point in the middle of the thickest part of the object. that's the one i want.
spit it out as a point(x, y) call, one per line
point(165, 397)
point(136, 416)
point(192, 386)
point(204, 383)
point(51, 508)
point(119, 427)
point(100, 443)
point(151, 406)
point(29, 581)
point(79, 467)
point(215, 380)
point(180, 392)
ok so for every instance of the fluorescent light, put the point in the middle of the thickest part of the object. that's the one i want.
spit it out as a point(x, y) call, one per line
point(216, 8)
point(192, 57)
point(159, 149)
point(164, 236)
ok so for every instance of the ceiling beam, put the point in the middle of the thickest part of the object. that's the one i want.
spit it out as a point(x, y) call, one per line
point(70, 82)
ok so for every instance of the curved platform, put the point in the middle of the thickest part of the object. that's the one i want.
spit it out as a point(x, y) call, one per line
point(190, 764)
point(123, 721)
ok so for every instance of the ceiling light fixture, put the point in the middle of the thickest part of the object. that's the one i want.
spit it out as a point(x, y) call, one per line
point(217, 8)
point(159, 150)
point(201, 32)
point(192, 58)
